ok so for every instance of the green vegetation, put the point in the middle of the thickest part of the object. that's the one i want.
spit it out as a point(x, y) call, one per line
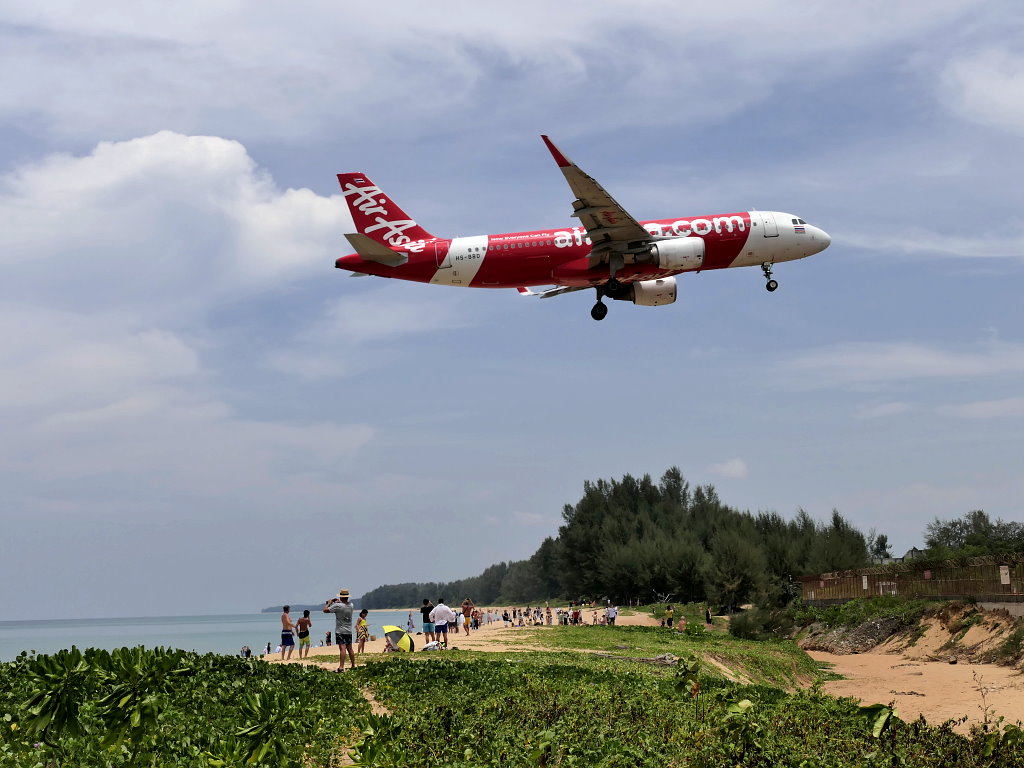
point(960, 625)
point(773, 663)
point(853, 613)
point(634, 540)
point(555, 710)
point(973, 535)
point(762, 623)
point(469, 710)
point(161, 707)
point(1012, 647)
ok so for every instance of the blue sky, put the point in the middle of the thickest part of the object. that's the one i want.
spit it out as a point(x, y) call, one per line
point(201, 415)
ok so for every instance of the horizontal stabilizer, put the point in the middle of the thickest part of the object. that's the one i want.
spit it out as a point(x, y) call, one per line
point(370, 250)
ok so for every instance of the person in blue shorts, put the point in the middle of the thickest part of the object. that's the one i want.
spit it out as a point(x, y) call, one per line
point(428, 625)
point(442, 615)
point(287, 639)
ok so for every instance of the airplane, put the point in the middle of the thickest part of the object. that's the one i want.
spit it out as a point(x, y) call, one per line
point(610, 251)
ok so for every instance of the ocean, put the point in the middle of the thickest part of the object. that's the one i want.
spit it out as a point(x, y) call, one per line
point(214, 634)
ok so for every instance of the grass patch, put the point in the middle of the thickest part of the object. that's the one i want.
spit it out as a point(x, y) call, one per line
point(773, 662)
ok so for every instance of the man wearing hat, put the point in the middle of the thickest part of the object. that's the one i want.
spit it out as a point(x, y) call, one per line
point(342, 610)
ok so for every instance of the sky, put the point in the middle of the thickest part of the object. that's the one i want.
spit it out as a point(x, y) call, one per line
point(201, 415)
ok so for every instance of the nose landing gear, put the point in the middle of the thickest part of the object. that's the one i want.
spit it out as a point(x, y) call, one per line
point(771, 285)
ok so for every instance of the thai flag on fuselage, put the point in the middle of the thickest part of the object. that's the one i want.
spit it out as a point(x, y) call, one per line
point(798, 229)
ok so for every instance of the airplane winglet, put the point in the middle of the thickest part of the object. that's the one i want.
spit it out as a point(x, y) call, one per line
point(560, 159)
point(525, 291)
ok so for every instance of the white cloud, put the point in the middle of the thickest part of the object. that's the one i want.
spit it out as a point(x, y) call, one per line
point(90, 397)
point(912, 241)
point(359, 328)
point(373, 317)
point(68, 360)
point(987, 87)
point(167, 225)
point(734, 469)
point(884, 410)
point(114, 262)
point(856, 364)
point(240, 71)
point(1009, 407)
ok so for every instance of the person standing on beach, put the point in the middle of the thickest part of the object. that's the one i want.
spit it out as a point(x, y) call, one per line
point(441, 615)
point(467, 612)
point(428, 624)
point(303, 626)
point(342, 610)
point(613, 613)
point(670, 614)
point(410, 626)
point(362, 631)
point(287, 639)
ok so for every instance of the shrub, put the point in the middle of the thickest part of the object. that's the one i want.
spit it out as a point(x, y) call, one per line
point(761, 623)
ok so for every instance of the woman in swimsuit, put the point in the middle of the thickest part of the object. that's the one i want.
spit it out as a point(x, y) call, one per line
point(362, 631)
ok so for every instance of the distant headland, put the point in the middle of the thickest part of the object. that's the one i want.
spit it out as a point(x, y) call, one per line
point(300, 608)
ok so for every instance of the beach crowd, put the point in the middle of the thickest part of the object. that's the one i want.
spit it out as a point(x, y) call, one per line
point(439, 624)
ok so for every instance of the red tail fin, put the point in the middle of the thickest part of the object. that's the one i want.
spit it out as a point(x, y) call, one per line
point(376, 215)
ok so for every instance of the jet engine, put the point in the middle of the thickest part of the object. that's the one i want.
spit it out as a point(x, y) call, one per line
point(649, 293)
point(678, 253)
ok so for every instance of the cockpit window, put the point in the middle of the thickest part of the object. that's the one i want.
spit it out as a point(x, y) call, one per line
point(800, 221)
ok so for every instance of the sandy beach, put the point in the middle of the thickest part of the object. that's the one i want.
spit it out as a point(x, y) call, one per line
point(938, 690)
point(490, 637)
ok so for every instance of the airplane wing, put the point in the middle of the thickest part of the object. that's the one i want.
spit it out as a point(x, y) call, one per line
point(609, 226)
point(552, 291)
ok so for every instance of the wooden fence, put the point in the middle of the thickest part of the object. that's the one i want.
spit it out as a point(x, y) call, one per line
point(982, 578)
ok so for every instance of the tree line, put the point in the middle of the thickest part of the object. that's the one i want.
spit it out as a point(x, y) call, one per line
point(637, 540)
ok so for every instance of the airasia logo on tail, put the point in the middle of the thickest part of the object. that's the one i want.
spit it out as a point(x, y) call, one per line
point(364, 203)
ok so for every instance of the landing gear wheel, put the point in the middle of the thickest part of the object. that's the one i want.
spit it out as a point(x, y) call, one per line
point(613, 286)
point(772, 285)
point(599, 311)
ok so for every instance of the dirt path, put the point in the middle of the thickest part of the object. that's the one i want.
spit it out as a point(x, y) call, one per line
point(937, 690)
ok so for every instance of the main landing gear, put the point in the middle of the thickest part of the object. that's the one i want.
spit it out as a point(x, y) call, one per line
point(613, 286)
point(771, 285)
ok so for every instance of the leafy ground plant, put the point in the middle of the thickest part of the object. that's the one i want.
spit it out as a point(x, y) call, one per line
point(167, 707)
point(547, 709)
